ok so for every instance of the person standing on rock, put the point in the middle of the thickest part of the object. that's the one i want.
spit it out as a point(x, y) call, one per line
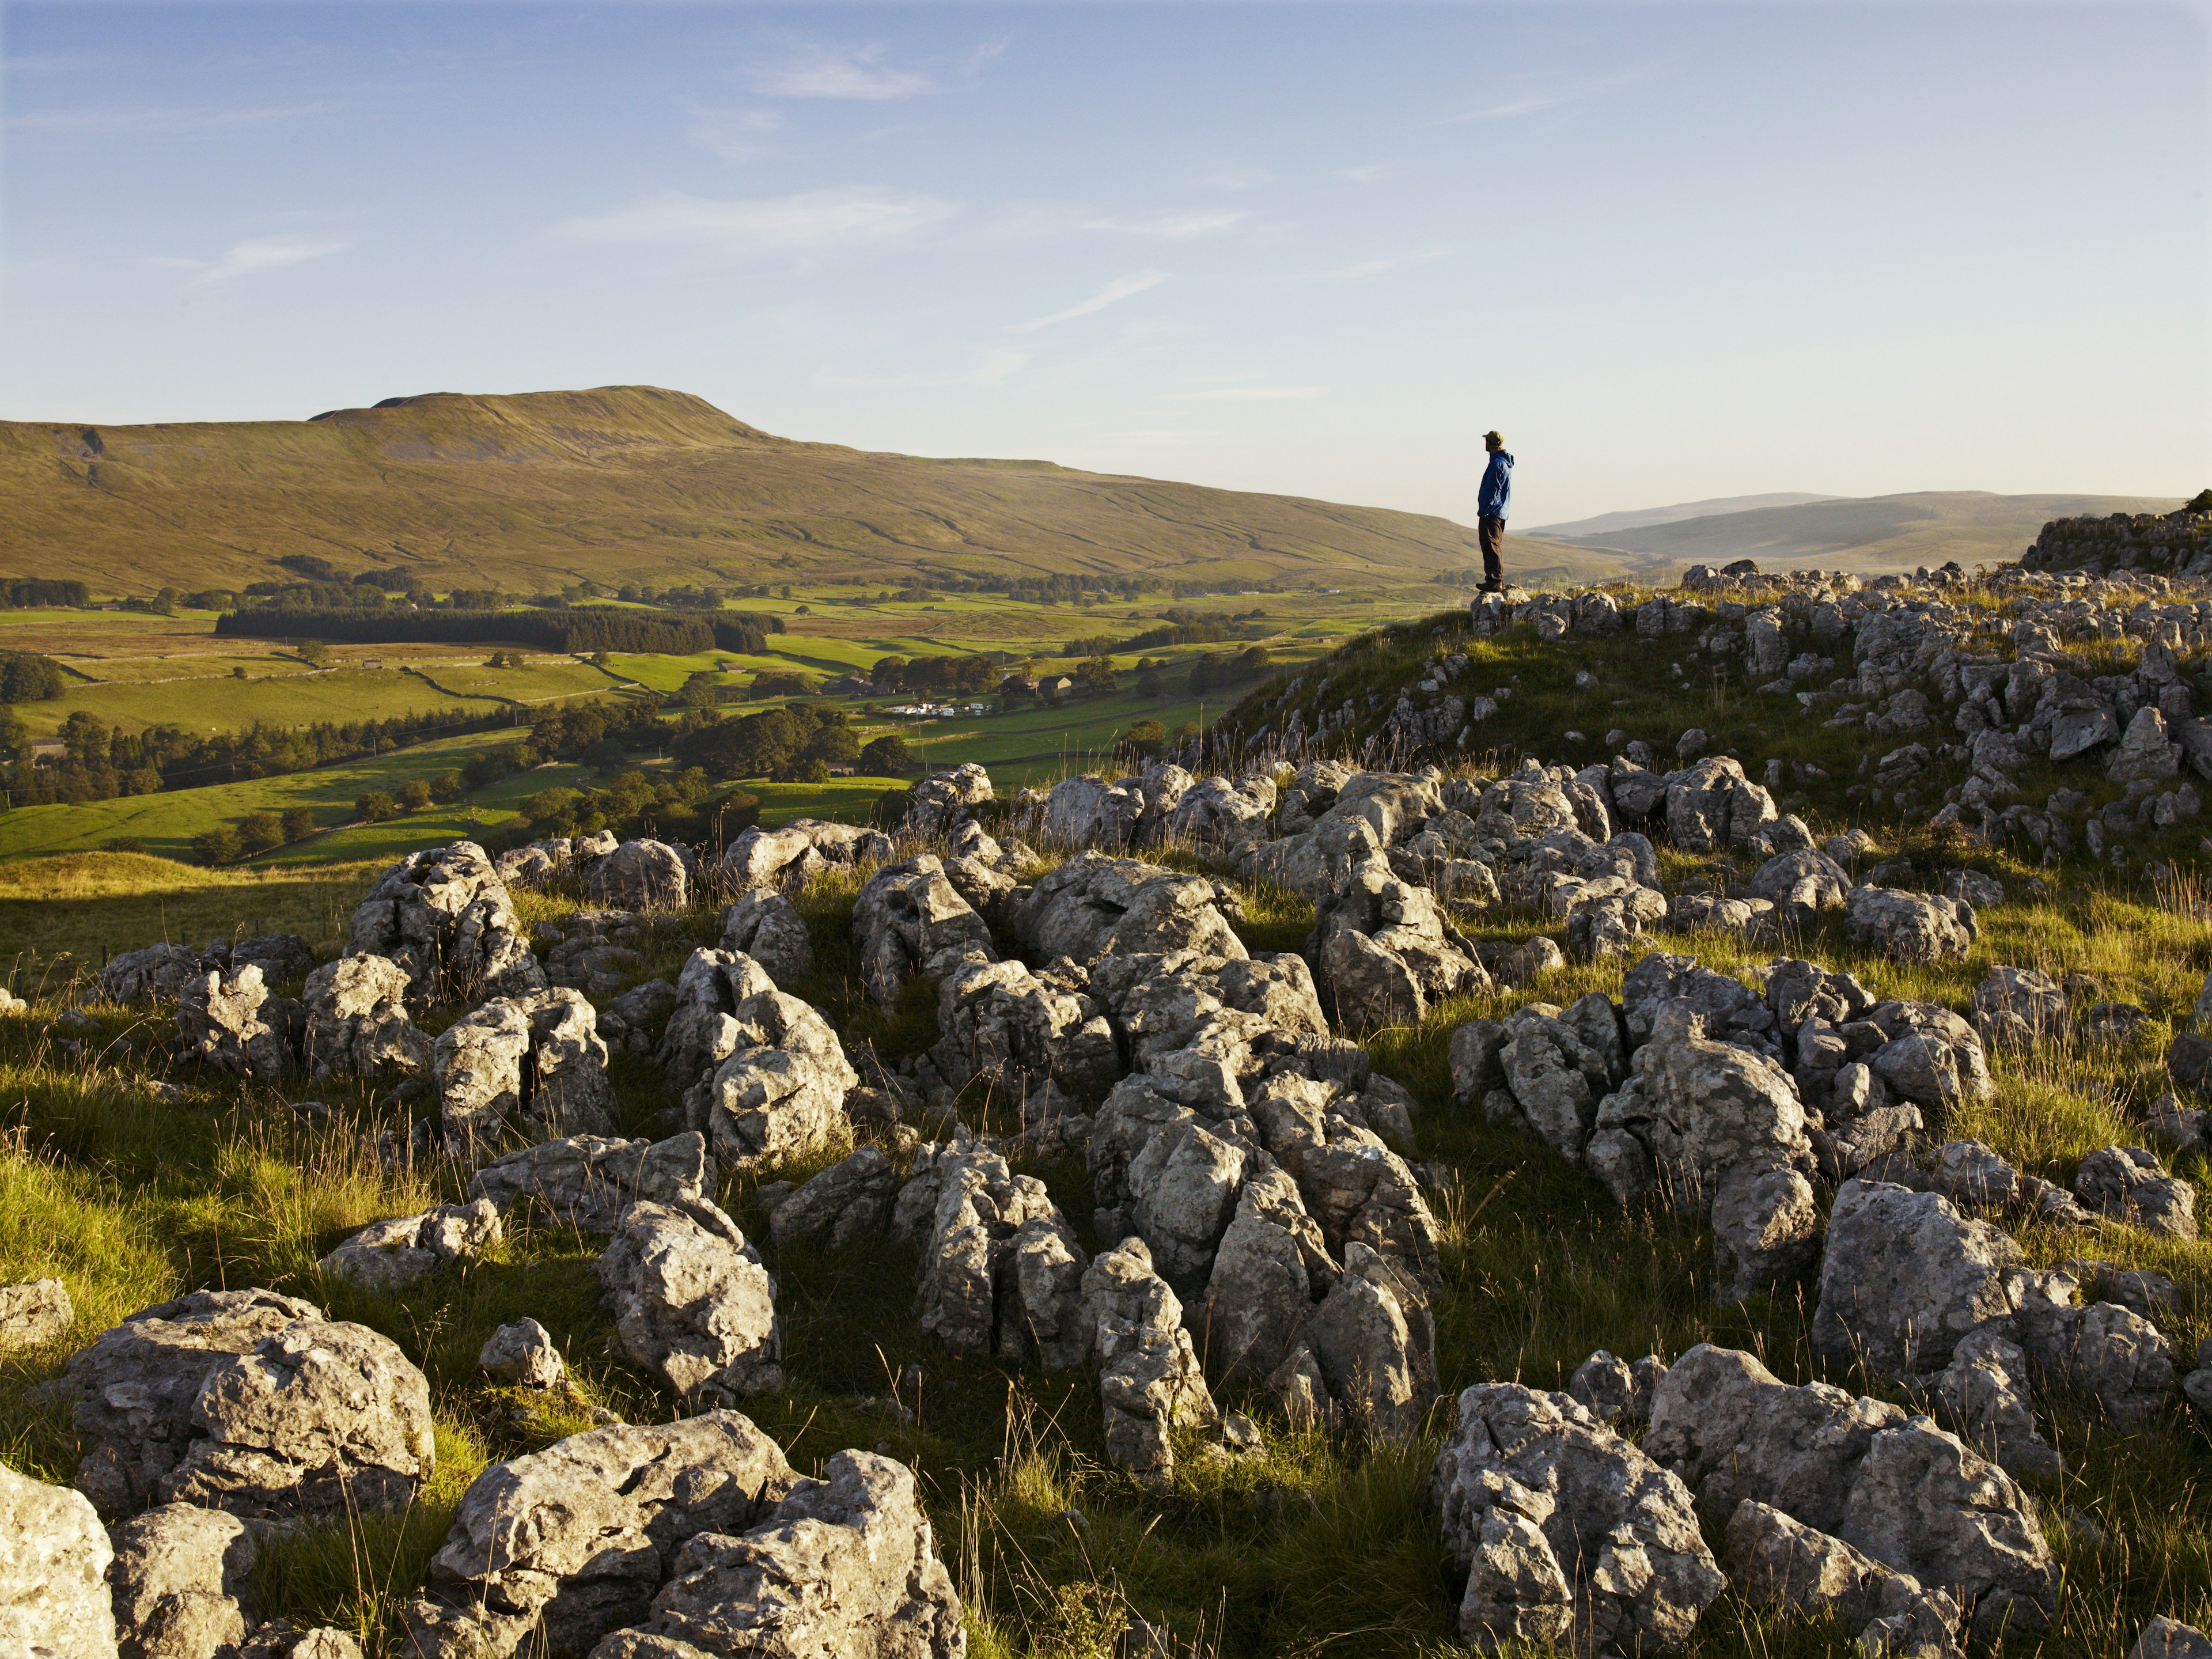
point(1491, 503)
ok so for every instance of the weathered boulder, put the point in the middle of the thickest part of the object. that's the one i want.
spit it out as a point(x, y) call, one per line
point(1088, 811)
point(849, 1201)
point(357, 1024)
point(594, 950)
point(182, 1581)
point(2169, 1639)
point(280, 1638)
point(532, 1065)
point(845, 1566)
point(1766, 1228)
point(279, 957)
point(156, 974)
point(587, 1181)
point(1011, 1029)
point(1371, 1346)
point(1217, 812)
point(54, 1558)
point(782, 1092)
point(2018, 1007)
point(2144, 751)
point(910, 920)
point(1894, 1487)
point(1984, 1395)
point(1712, 804)
point(251, 1402)
point(1381, 950)
point(1727, 1005)
point(446, 919)
point(1001, 1270)
point(1571, 1537)
point(1780, 1563)
point(799, 850)
point(390, 1255)
point(1150, 1382)
point(764, 925)
point(1094, 906)
point(701, 1032)
point(2130, 1184)
point(939, 803)
point(1801, 885)
point(1269, 1265)
point(691, 1302)
point(524, 1355)
point(33, 1314)
point(232, 1021)
point(1613, 1391)
point(641, 875)
point(1906, 1277)
point(1911, 927)
point(563, 1545)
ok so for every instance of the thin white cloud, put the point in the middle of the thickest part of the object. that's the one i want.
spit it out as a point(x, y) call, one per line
point(998, 364)
point(1366, 173)
point(114, 120)
point(1535, 102)
point(1248, 394)
point(1236, 177)
point(817, 69)
point(1113, 292)
point(814, 218)
point(735, 135)
point(1360, 272)
point(251, 258)
point(1171, 225)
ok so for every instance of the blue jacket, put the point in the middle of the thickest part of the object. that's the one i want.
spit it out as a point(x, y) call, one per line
point(1496, 491)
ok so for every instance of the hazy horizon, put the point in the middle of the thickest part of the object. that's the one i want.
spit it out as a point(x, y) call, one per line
point(1677, 253)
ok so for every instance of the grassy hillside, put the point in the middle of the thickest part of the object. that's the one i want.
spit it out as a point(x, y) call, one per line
point(628, 483)
point(1874, 533)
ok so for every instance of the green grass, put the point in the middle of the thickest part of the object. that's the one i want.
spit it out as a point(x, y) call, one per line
point(167, 821)
point(213, 704)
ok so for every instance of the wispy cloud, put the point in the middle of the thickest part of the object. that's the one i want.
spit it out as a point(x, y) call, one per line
point(1236, 177)
point(1366, 173)
point(1360, 272)
point(1538, 100)
point(999, 363)
point(1248, 394)
point(1113, 292)
point(261, 254)
point(1171, 225)
point(119, 120)
point(815, 218)
point(735, 135)
point(817, 69)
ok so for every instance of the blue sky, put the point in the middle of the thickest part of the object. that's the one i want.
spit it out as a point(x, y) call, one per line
point(1674, 251)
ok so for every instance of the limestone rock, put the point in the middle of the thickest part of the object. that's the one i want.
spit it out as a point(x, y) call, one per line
point(1766, 1228)
point(587, 1181)
point(2129, 1184)
point(1911, 927)
point(1088, 811)
point(1781, 1563)
point(691, 1302)
point(764, 925)
point(1801, 885)
point(641, 875)
point(524, 1354)
point(782, 1092)
point(232, 1022)
point(182, 1579)
point(910, 920)
point(1001, 1271)
point(1150, 1382)
point(357, 1024)
point(701, 1032)
point(1613, 1391)
point(446, 919)
point(849, 1201)
point(156, 974)
point(1983, 1394)
point(939, 802)
point(2017, 1007)
point(563, 1545)
point(2169, 1639)
point(251, 1402)
point(390, 1255)
point(53, 1572)
point(33, 1314)
point(1381, 950)
point(1571, 1536)
point(532, 1065)
point(1009, 1030)
point(845, 1566)
point(1905, 1278)
point(801, 849)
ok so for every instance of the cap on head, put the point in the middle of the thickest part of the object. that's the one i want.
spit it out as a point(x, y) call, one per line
point(1494, 440)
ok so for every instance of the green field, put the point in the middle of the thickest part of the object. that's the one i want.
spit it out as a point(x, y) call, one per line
point(139, 671)
point(230, 705)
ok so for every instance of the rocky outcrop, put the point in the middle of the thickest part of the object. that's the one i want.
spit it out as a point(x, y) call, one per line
point(1001, 1271)
point(530, 1066)
point(701, 1032)
point(1088, 811)
point(849, 1201)
point(559, 1547)
point(691, 1302)
point(2017, 1007)
point(1093, 906)
point(1382, 951)
point(2129, 1184)
point(587, 1181)
point(391, 1255)
point(157, 974)
point(937, 805)
point(1906, 1278)
point(183, 1583)
point(1894, 1487)
point(1010, 1030)
point(446, 919)
point(53, 1572)
point(357, 1024)
point(251, 1402)
point(782, 1090)
point(1571, 1537)
point(524, 1355)
point(1149, 1378)
point(1780, 1563)
point(233, 1023)
point(641, 875)
point(764, 925)
point(845, 1566)
point(795, 853)
point(1911, 927)
point(33, 1314)
point(909, 920)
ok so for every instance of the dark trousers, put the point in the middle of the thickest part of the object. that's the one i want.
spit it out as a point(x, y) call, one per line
point(1492, 531)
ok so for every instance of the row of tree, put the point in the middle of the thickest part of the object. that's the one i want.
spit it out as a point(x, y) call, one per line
point(944, 676)
point(571, 631)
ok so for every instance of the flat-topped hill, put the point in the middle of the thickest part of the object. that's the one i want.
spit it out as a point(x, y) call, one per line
point(540, 490)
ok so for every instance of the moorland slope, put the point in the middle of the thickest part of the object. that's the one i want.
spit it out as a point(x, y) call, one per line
point(628, 483)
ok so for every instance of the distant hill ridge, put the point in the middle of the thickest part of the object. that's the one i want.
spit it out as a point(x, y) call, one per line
point(535, 490)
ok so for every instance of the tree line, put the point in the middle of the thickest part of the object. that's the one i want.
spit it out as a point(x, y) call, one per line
point(570, 631)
